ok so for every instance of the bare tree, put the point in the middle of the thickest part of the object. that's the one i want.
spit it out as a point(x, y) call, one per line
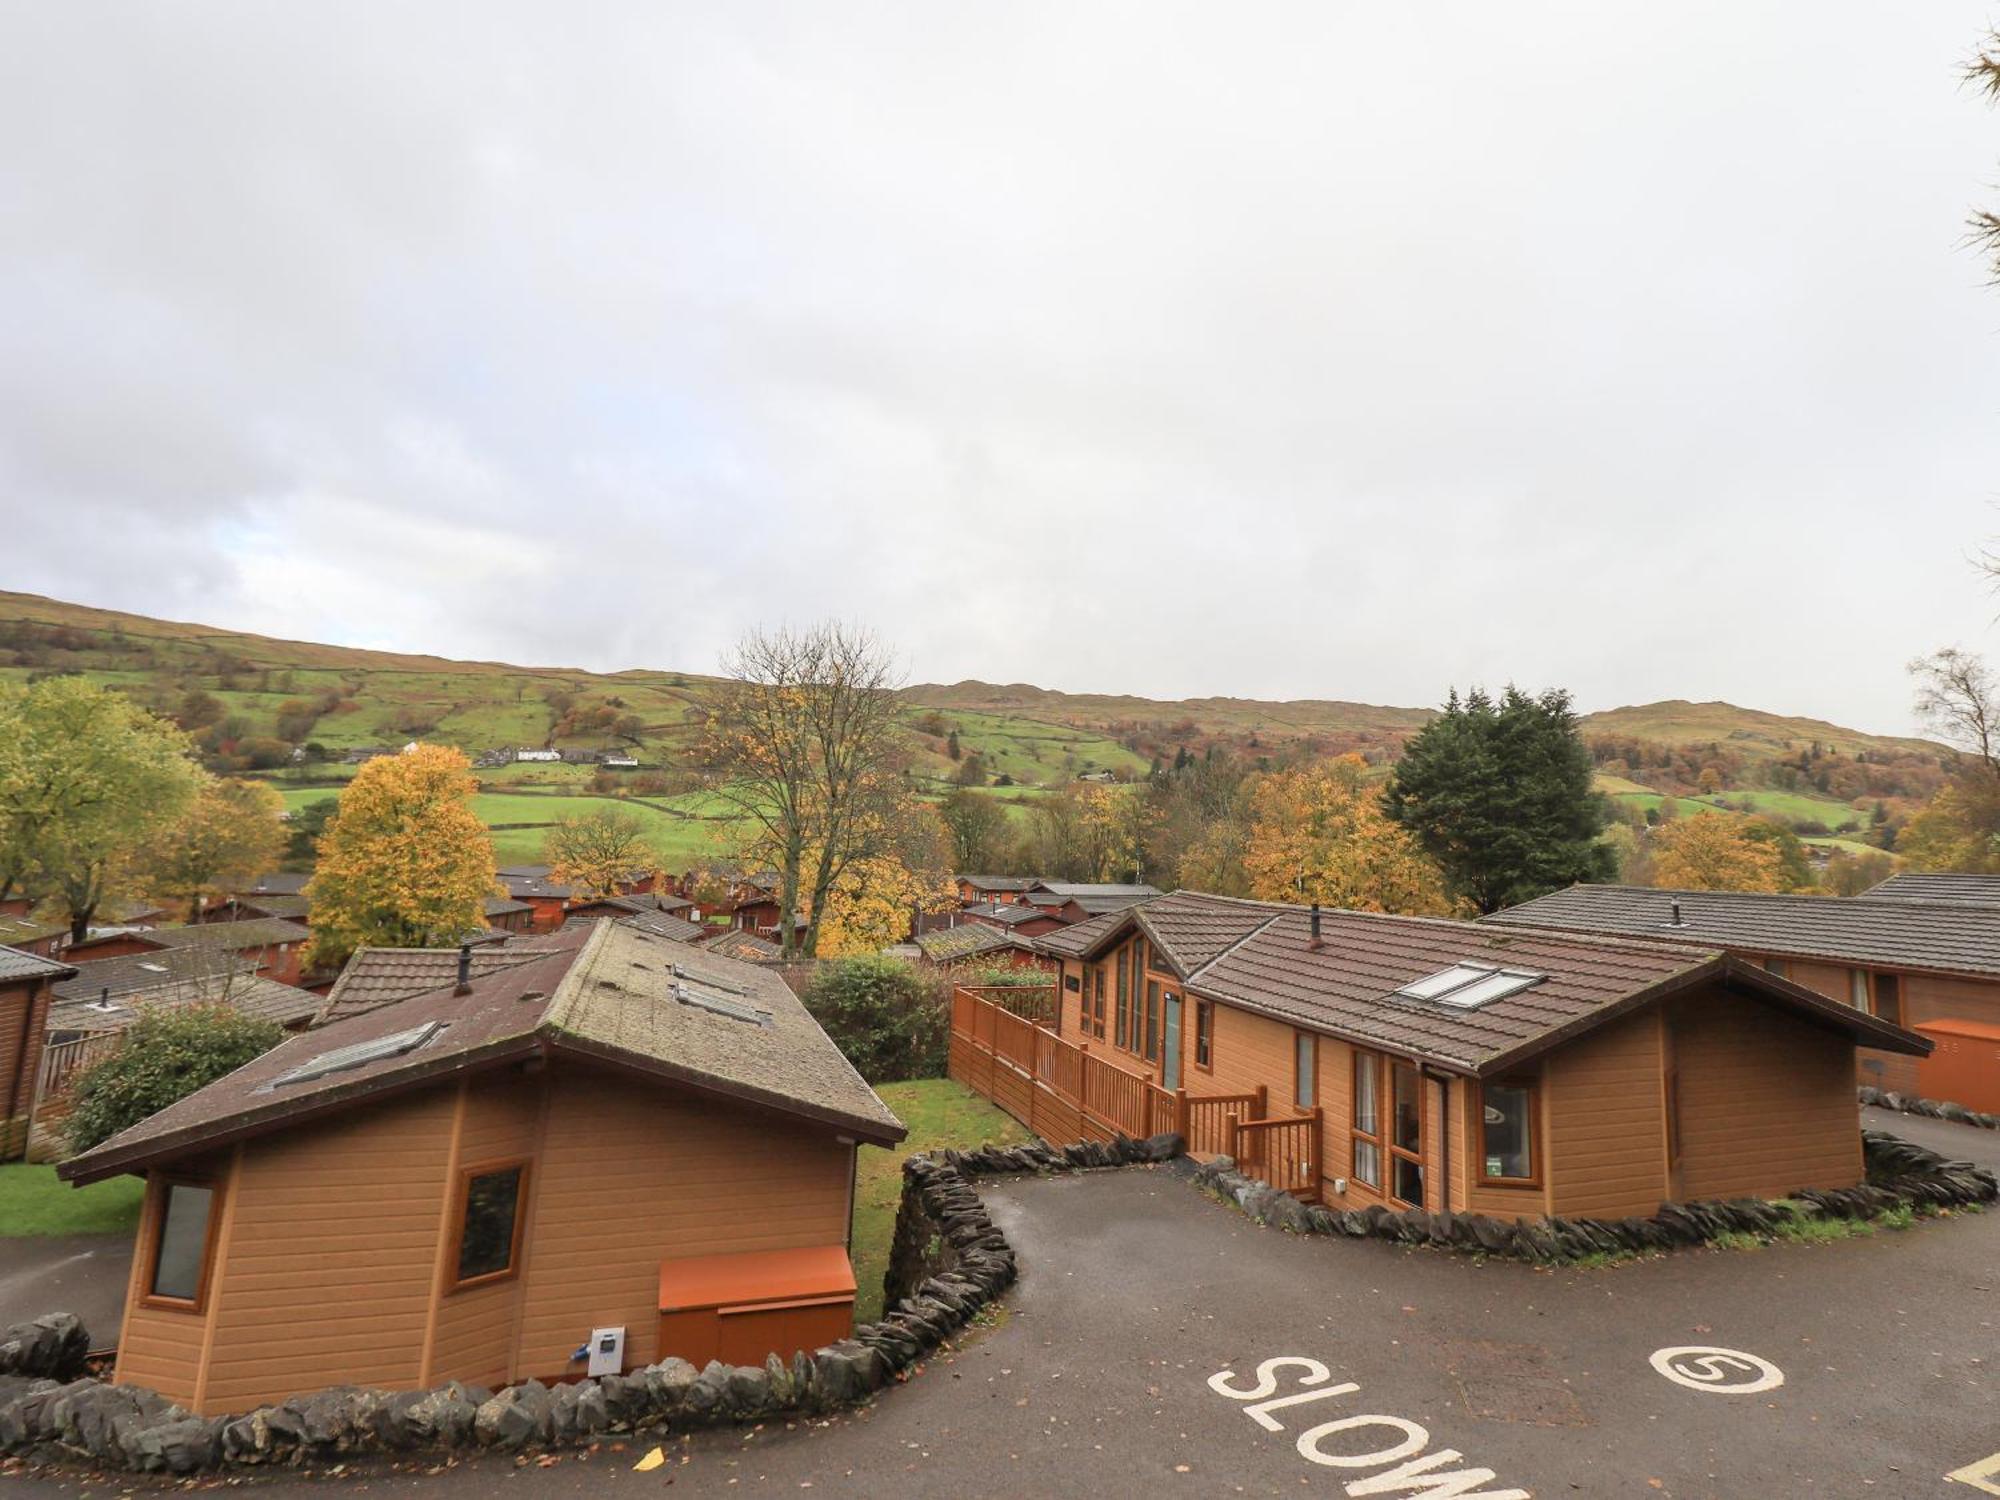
point(1956, 701)
point(806, 740)
point(1983, 73)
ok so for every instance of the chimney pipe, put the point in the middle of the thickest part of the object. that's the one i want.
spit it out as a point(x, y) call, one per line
point(1315, 925)
point(464, 986)
point(1677, 922)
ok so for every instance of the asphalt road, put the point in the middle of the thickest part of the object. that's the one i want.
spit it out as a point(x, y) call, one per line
point(80, 1273)
point(1136, 1292)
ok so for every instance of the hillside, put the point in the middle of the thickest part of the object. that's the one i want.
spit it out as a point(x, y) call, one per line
point(254, 700)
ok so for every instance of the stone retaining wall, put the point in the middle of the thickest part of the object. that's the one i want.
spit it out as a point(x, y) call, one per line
point(1936, 1109)
point(1900, 1175)
point(949, 1262)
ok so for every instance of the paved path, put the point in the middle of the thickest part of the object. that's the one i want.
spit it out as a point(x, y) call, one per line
point(80, 1273)
point(1136, 1292)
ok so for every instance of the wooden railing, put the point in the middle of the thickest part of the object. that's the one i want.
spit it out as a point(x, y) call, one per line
point(62, 1061)
point(1062, 1090)
point(1033, 1002)
point(1284, 1153)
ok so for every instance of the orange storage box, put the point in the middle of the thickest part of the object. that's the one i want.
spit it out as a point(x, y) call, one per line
point(740, 1308)
point(1964, 1068)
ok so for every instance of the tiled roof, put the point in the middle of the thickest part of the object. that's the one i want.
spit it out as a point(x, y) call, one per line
point(29, 929)
point(1968, 890)
point(950, 944)
point(16, 965)
point(1260, 956)
point(277, 883)
point(1006, 914)
point(375, 977)
point(252, 932)
point(1000, 882)
point(278, 905)
point(1946, 937)
point(662, 924)
point(746, 946)
point(505, 906)
point(252, 994)
point(615, 999)
point(134, 972)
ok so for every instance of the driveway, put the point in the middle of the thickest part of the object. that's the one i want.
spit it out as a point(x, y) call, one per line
point(1137, 1294)
point(80, 1273)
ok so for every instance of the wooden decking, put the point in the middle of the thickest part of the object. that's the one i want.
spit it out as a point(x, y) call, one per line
point(1063, 1091)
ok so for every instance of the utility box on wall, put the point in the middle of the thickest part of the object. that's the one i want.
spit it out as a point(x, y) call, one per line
point(607, 1351)
point(1965, 1066)
point(740, 1308)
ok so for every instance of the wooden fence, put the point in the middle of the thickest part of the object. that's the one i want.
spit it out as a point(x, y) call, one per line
point(54, 1083)
point(1063, 1091)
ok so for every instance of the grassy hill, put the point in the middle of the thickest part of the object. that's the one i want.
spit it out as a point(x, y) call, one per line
point(1036, 738)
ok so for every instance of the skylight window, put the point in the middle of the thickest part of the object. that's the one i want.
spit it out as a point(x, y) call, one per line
point(1469, 986)
point(360, 1054)
point(687, 977)
point(154, 968)
point(722, 1005)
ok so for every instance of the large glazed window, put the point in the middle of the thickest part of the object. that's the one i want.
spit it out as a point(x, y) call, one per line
point(180, 1247)
point(1507, 1115)
point(1367, 1119)
point(1406, 1141)
point(489, 1222)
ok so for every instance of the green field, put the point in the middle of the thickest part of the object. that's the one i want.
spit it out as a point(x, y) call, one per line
point(682, 830)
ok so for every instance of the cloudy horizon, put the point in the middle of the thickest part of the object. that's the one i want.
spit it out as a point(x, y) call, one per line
point(1282, 352)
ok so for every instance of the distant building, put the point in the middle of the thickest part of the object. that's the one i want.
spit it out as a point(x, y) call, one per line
point(538, 755)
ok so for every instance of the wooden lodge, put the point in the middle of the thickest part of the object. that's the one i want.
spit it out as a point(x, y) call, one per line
point(27, 991)
point(1919, 951)
point(1357, 1059)
point(478, 1172)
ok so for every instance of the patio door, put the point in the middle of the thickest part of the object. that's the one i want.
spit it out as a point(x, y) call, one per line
point(1170, 1052)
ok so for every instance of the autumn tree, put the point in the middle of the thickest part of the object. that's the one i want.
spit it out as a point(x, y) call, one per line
point(808, 747)
point(228, 835)
point(1958, 700)
point(977, 826)
point(87, 779)
point(405, 862)
point(599, 852)
point(1319, 833)
point(1713, 852)
point(1499, 793)
point(1851, 874)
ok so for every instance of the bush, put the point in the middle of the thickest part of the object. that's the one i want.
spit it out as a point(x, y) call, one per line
point(168, 1053)
point(892, 1021)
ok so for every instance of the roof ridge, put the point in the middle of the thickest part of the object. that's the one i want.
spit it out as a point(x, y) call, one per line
point(1261, 927)
point(555, 1016)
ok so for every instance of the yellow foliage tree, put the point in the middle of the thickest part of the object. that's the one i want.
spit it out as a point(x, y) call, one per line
point(599, 852)
point(1710, 852)
point(1960, 830)
point(870, 905)
point(405, 862)
point(1319, 833)
point(229, 834)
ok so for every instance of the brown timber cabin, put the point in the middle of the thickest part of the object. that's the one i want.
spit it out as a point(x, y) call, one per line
point(1420, 1062)
point(621, 1133)
point(1920, 951)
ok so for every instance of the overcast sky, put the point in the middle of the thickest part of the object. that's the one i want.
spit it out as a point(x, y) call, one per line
point(1334, 350)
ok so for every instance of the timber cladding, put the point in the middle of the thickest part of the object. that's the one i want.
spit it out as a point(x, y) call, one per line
point(334, 1257)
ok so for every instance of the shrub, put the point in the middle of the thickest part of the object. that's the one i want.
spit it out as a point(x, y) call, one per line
point(892, 1021)
point(168, 1053)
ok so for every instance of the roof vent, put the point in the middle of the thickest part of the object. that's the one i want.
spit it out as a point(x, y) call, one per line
point(1468, 986)
point(464, 985)
point(360, 1054)
point(1675, 919)
point(1315, 927)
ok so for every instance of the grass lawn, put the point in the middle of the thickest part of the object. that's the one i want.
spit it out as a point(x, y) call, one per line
point(939, 1113)
point(33, 1202)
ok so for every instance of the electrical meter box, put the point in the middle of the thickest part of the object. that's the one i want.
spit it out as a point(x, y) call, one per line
point(607, 1351)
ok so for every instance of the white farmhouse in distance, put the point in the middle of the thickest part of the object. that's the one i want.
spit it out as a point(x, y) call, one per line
point(538, 755)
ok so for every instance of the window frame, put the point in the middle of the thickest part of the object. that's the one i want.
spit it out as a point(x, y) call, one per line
point(1095, 1002)
point(1414, 1156)
point(1305, 1044)
point(1155, 1010)
point(1367, 1061)
point(1861, 991)
point(1204, 1034)
point(455, 1246)
point(1532, 1087)
point(159, 1189)
point(1894, 980)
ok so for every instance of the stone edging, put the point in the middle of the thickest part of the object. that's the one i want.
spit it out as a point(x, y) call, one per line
point(1935, 1109)
point(951, 1261)
point(1899, 1175)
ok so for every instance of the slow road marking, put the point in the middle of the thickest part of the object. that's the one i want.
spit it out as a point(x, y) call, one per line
point(1983, 1476)
point(1721, 1372)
